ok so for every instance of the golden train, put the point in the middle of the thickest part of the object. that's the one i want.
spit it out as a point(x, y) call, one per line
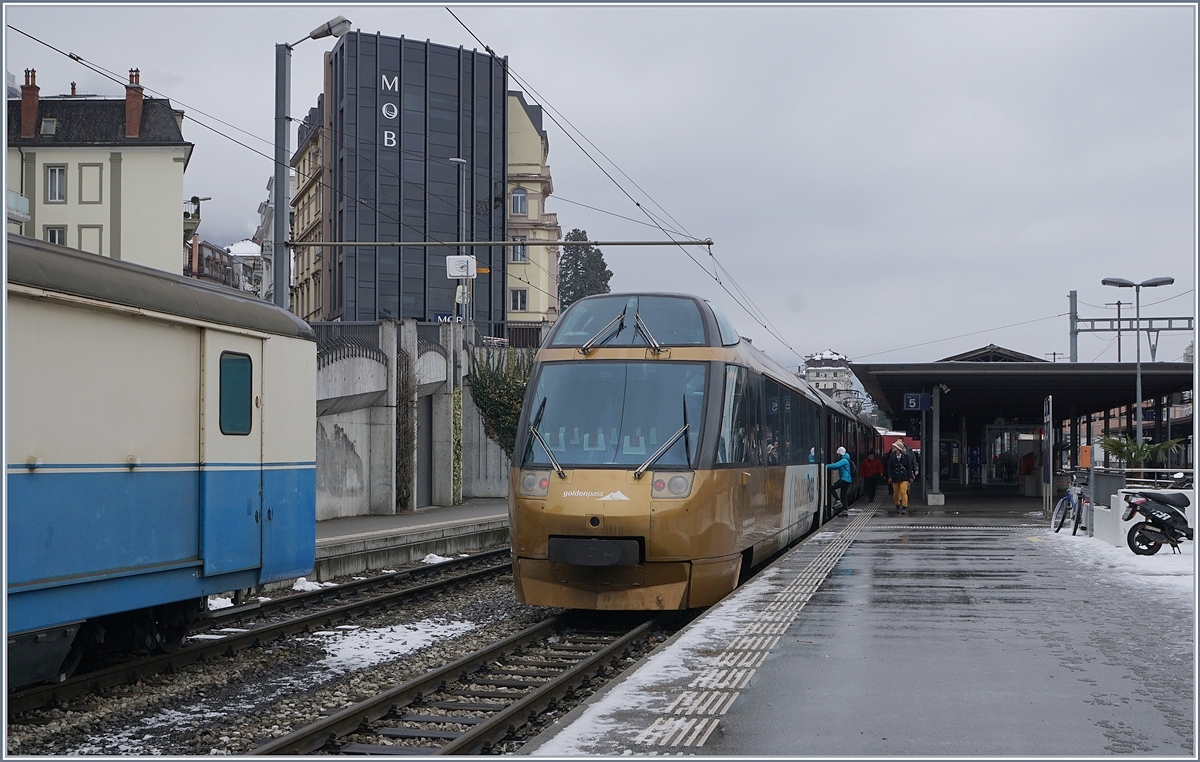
point(660, 457)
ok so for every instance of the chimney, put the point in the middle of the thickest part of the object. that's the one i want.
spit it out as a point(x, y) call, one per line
point(72, 88)
point(29, 104)
point(133, 104)
point(197, 264)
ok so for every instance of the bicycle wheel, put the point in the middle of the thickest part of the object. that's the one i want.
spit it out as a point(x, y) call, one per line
point(1078, 520)
point(1060, 514)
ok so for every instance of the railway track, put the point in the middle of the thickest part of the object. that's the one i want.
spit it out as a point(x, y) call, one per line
point(220, 639)
point(469, 705)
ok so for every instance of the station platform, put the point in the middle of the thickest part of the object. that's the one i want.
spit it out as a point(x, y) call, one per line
point(353, 545)
point(965, 629)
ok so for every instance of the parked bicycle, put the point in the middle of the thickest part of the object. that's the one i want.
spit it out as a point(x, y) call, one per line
point(1073, 503)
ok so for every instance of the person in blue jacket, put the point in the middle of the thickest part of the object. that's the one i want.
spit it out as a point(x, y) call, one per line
point(840, 481)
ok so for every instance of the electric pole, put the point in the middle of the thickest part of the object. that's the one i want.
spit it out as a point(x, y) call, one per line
point(1117, 304)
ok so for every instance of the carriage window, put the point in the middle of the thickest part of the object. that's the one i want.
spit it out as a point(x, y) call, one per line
point(236, 395)
point(734, 444)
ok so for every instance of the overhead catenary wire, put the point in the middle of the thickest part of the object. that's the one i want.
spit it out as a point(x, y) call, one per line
point(325, 138)
point(962, 335)
point(744, 301)
point(343, 194)
point(1150, 304)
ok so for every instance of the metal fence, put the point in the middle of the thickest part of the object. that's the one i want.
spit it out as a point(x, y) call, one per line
point(338, 341)
point(511, 333)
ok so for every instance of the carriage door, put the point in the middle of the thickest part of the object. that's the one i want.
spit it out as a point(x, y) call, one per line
point(230, 452)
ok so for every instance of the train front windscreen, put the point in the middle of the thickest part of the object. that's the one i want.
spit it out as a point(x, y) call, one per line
point(617, 413)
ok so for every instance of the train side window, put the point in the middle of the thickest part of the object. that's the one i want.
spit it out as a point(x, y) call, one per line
point(733, 445)
point(236, 394)
point(754, 395)
point(809, 428)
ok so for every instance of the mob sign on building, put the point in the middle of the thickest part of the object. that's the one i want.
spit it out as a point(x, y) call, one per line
point(399, 111)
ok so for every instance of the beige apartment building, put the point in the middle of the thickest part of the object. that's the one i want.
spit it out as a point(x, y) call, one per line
point(310, 204)
point(532, 281)
point(103, 175)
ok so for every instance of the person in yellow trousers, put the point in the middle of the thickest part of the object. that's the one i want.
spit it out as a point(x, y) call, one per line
point(901, 471)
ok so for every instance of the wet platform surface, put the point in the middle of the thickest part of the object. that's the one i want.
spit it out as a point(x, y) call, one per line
point(963, 630)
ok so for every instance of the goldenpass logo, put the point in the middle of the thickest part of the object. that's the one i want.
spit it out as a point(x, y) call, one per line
point(581, 493)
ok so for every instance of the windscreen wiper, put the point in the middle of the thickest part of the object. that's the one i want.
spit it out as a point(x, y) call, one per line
point(591, 343)
point(554, 462)
point(537, 420)
point(660, 452)
point(640, 325)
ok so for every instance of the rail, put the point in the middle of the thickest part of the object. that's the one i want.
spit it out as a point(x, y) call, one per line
point(546, 661)
point(38, 696)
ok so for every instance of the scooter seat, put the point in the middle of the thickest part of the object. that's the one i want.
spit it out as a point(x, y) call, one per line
point(1177, 499)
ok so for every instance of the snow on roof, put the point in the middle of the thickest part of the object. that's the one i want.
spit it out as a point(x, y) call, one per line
point(245, 248)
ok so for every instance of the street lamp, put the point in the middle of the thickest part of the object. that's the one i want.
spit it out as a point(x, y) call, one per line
point(1137, 327)
point(335, 27)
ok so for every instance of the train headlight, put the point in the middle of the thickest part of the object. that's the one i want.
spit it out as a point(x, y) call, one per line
point(535, 483)
point(672, 486)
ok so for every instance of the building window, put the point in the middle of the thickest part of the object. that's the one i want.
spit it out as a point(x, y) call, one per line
point(518, 300)
point(49, 126)
point(56, 234)
point(520, 202)
point(56, 184)
point(518, 252)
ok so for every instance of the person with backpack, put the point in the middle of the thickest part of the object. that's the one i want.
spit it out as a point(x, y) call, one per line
point(901, 471)
point(840, 481)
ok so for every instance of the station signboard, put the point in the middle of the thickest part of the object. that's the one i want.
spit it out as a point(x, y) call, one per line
point(916, 402)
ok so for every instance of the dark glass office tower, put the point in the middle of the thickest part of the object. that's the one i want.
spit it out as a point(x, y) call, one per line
point(399, 111)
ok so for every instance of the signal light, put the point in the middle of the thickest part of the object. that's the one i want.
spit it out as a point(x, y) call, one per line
point(534, 483)
point(672, 486)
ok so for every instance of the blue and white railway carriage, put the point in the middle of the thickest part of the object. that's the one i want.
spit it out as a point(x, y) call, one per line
point(161, 448)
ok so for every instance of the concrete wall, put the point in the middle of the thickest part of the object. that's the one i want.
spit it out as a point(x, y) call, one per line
point(361, 420)
point(343, 462)
point(485, 466)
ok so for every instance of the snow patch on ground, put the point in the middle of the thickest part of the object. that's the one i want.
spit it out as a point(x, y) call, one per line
point(434, 558)
point(1172, 573)
point(304, 586)
point(217, 602)
point(346, 648)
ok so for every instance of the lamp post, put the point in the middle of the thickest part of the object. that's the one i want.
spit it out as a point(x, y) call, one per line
point(335, 27)
point(462, 228)
point(1137, 327)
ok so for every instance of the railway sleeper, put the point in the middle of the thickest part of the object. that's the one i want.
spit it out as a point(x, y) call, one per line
point(390, 751)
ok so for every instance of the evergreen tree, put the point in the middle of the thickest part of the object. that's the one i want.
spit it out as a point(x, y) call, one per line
point(581, 271)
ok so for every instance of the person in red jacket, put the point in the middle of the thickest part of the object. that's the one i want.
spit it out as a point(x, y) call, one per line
point(872, 473)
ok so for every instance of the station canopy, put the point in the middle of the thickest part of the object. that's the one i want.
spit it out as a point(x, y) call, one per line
point(993, 382)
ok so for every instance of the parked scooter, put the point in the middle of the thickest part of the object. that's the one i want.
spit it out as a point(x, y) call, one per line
point(1165, 520)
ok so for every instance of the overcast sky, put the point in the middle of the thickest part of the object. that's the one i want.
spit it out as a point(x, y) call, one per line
point(874, 178)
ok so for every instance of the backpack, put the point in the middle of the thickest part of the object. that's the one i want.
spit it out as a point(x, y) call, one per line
point(853, 470)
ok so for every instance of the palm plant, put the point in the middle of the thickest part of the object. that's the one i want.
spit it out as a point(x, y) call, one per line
point(1135, 454)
